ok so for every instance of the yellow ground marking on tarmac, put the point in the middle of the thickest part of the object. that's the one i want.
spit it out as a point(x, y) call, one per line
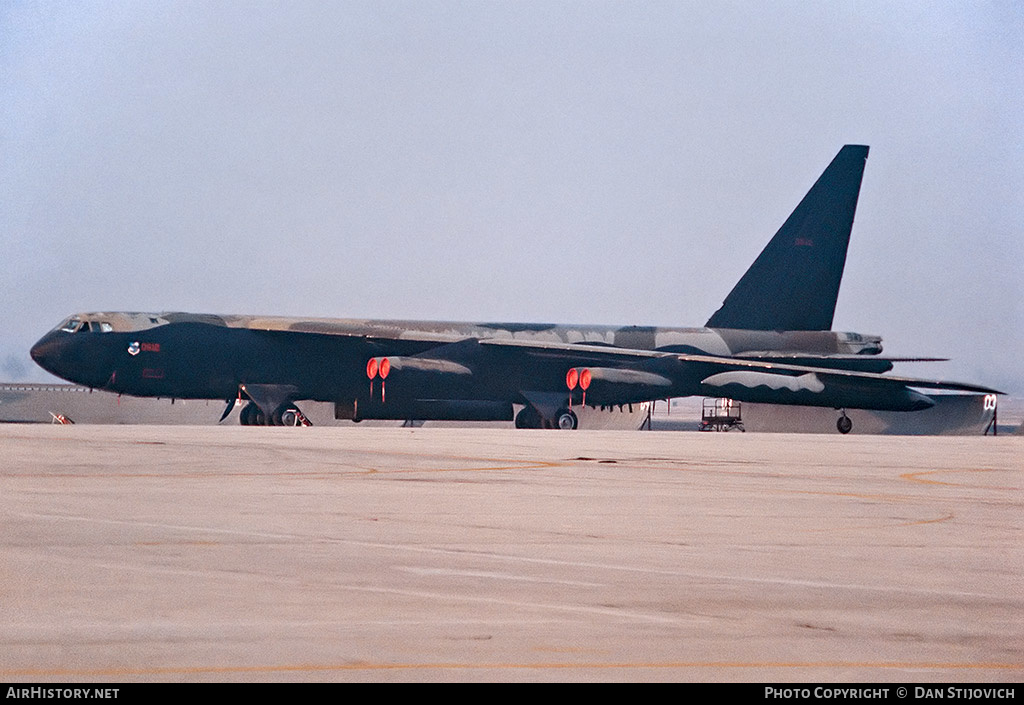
point(882, 497)
point(251, 446)
point(315, 474)
point(833, 529)
point(542, 666)
point(910, 476)
point(948, 517)
point(916, 477)
point(514, 464)
point(568, 650)
point(177, 543)
point(851, 495)
point(527, 560)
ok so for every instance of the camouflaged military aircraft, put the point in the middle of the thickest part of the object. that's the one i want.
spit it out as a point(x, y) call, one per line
point(770, 342)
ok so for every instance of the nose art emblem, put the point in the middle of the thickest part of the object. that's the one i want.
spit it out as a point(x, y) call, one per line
point(133, 349)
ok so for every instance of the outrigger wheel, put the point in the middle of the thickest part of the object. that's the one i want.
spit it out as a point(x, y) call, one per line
point(843, 423)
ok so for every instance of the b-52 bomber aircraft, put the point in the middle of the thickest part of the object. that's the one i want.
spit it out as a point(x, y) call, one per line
point(770, 342)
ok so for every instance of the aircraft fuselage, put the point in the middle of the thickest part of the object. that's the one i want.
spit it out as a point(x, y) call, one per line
point(190, 356)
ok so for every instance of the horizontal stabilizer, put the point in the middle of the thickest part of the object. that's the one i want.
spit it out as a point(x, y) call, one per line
point(857, 363)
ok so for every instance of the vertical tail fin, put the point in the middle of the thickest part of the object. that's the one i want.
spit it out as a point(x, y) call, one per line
point(794, 282)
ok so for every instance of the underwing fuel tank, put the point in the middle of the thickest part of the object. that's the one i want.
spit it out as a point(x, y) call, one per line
point(813, 390)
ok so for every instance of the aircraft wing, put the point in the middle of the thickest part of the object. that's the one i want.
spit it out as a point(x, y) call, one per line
point(619, 376)
point(550, 375)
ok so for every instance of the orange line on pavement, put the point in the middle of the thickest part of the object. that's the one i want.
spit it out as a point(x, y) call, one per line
point(917, 477)
point(363, 666)
point(318, 475)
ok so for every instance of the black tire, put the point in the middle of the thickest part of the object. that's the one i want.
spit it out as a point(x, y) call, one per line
point(844, 425)
point(528, 418)
point(245, 415)
point(566, 420)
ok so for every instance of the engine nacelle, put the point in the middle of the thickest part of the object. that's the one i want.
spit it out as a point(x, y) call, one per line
point(416, 377)
point(612, 385)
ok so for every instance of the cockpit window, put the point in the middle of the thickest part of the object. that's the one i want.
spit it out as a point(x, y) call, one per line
point(77, 325)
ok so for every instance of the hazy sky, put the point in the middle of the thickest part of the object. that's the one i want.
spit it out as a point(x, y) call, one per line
point(590, 162)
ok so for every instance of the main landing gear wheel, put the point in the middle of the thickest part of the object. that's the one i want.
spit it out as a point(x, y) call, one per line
point(251, 415)
point(288, 417)
point(528, 418)
point(566, 420)
point(285, 415)
point(843, 424)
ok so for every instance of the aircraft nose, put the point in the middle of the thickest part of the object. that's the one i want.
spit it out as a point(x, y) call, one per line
point(46, 352)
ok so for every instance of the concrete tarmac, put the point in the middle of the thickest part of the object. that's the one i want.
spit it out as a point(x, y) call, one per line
point(157, 553)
